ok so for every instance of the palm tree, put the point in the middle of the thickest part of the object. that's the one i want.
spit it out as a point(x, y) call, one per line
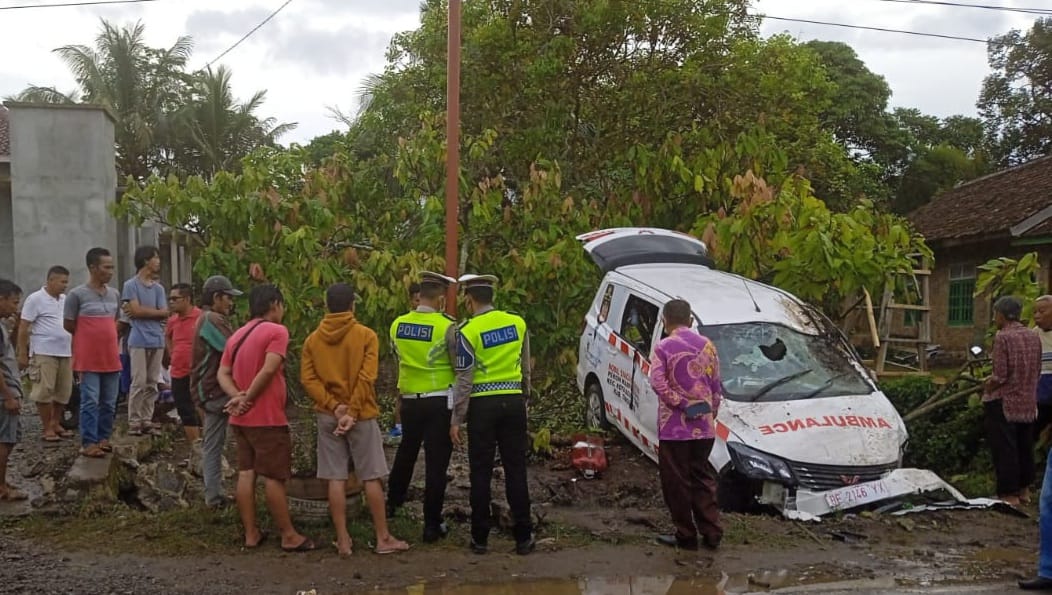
point(219, 130)
point(34, 94)
point(139, 84)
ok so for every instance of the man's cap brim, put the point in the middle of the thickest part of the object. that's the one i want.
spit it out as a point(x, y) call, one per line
point(428, 277)
point(470, 280)
point(233, 292)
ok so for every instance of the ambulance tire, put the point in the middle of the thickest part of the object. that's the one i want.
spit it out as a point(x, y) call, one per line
point(595, 407)
point(737, 493)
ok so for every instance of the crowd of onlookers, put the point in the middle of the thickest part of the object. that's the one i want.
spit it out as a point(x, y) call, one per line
point(155, 345)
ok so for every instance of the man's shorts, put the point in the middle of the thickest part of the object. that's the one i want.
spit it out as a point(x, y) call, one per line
point(52, 379)
point(363, 445)
point(266, 450)
point(10, 426)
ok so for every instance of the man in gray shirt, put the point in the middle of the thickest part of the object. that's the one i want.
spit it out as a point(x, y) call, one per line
point(146, 303)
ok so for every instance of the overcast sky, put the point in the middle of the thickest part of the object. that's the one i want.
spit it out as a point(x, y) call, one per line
point(315, 53)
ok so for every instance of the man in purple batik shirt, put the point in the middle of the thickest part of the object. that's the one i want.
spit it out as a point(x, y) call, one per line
point(685, 374)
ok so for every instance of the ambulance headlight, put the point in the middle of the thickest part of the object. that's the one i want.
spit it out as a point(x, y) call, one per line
point(759, 465)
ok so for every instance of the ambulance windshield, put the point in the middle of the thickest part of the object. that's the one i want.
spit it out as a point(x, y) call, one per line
point(762, 362)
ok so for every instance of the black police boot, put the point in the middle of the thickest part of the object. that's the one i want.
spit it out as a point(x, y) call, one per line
point(433, 533)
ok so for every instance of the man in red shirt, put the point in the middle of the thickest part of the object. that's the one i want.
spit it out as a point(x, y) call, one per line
point(179, 340)
point(252, 373)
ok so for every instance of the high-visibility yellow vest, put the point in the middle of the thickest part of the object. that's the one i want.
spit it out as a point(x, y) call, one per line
point(496, 339)
point(424, 365)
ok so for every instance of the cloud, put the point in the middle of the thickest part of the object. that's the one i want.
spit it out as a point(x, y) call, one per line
point(343, 50)
point(372, 7)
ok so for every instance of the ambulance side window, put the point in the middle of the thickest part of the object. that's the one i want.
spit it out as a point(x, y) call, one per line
point(638, 323)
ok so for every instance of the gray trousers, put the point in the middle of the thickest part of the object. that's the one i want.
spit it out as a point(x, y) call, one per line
point(212, 444)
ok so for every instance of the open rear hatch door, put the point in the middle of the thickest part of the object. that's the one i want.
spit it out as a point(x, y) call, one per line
point(624, 246)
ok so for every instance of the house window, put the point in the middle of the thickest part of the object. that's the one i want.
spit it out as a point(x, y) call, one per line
point(962, 300)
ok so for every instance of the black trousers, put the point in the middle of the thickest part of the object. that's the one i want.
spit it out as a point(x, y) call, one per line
point(1044, 417)
point(184, 402)
point(424, 421)
point(1012, 446)
point(498, 422)
point(688, 483)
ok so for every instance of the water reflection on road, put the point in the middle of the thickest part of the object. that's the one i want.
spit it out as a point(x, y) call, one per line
point(584, 586)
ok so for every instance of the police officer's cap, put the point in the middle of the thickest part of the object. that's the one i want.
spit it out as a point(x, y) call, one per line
point(468, 281)
point(429, 278)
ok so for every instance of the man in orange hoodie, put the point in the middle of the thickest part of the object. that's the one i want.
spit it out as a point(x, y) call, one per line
point(338, 370)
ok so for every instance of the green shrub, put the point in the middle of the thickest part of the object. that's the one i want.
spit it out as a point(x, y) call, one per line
point(951, 440)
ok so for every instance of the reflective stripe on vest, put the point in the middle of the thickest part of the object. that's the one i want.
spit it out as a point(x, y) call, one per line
point(496, 337)
point(423, 358)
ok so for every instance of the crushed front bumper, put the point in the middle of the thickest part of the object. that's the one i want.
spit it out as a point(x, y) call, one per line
point(804, 504)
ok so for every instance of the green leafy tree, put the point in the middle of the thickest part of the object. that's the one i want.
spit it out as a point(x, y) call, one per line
point(1010, 276)
point(168, 120)
point(1016, 99)
point(216, 130)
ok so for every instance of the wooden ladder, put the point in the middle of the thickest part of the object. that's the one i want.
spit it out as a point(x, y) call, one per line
point(920, 277)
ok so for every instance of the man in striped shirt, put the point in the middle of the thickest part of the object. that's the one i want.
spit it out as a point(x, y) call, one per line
point(91, 317)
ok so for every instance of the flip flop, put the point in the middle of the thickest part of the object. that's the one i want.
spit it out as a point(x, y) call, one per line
point(305, 546)
point(51, 439)
point(259, 542)
point(65, 434)
point(394, 549)
point(105, 447)
point(93, 452)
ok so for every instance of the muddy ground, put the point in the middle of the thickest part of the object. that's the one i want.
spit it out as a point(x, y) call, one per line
point(587, 528)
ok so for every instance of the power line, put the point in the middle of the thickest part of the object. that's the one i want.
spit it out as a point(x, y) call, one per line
point(1040, 11)
point(98, 3)
point(249, 34)
point(881, 29)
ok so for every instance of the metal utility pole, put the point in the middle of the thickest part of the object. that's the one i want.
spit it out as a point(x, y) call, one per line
point(452, 149)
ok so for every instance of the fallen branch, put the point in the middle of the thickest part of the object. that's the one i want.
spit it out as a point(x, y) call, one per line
point(932, 406)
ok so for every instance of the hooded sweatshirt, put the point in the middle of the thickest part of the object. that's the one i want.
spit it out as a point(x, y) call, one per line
point(339, 366)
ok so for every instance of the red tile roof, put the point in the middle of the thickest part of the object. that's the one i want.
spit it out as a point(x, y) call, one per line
point(989, 206)
point(5, 132)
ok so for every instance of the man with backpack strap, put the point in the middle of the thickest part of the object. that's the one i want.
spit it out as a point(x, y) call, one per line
point(212, 331)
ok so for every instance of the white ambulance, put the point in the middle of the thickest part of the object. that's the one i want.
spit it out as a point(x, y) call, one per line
point(803, 427)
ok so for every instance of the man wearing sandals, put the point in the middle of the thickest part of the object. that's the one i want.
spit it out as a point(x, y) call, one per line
point(252, 374)
point(338, 370)
point(44, 351)
point(10, 389)
point(91, 317)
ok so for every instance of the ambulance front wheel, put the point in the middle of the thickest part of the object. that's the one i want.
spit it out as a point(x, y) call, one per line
point(737, 493)
point(595, 412)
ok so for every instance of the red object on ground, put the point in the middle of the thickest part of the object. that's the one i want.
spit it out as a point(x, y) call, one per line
point(588, 455)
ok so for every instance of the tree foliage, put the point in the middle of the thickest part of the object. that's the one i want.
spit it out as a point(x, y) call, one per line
point(1016, 98)
point(1009, 276)
point(168, 120)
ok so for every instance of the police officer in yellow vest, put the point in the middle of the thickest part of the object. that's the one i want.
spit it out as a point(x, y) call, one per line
point(492, 384)
point(425, 343)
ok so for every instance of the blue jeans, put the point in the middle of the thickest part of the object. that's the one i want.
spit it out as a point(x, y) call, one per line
point(98, 404)
point(1044, 559)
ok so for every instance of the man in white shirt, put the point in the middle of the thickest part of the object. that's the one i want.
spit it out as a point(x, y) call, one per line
point(45, 349)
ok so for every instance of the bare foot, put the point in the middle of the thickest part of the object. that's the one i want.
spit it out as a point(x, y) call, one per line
point(344, 547)
point(1010, 500)
point(256, 540)
point(1024, 496)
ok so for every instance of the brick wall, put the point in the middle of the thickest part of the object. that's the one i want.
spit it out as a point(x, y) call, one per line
point(956, 340)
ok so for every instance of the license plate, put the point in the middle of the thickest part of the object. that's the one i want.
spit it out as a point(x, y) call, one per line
point(856, 495)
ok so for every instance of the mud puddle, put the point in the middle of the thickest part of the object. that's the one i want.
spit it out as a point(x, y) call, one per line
point(762, 582)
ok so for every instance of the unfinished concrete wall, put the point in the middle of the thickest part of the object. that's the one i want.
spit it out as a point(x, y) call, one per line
point(63, 180)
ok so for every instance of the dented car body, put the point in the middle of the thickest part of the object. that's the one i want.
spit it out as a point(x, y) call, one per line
point(803, 427)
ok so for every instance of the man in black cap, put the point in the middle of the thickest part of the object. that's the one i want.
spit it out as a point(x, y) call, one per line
point(492, 385)
point(424, 341)
point(212, 331)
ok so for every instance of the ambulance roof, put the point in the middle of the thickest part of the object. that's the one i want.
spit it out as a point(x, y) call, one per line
point(718, 297)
